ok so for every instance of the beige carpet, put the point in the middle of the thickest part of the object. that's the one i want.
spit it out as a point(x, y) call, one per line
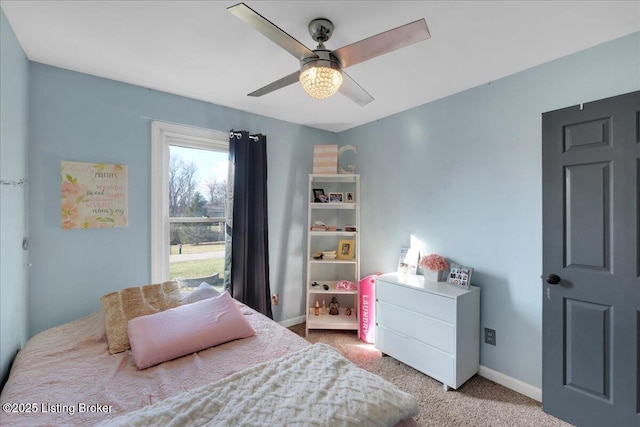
point(478, 402)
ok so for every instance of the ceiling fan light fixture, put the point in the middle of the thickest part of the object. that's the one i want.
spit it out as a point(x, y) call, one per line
point(320, 78)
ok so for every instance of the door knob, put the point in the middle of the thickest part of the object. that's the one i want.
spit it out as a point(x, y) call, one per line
point(553, 279)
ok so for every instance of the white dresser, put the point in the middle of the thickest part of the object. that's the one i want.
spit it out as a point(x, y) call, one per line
point(432, 327)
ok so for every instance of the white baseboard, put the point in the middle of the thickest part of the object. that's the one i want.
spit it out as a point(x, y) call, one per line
point(512, 383)
point(293, 321)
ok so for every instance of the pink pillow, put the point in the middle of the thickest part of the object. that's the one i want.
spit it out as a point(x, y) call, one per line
point(173, 333)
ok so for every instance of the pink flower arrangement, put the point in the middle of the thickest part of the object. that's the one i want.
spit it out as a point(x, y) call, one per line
point(434, 262)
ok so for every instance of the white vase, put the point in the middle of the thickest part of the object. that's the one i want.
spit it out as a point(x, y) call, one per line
point(432, 275)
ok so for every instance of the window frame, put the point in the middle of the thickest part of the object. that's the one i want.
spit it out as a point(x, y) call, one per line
point(163, 135)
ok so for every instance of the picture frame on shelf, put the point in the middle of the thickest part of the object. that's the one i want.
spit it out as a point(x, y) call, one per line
point(346, 249)
point(319, 196)
point(460, 276)
point(336, 197)
point(349, 197)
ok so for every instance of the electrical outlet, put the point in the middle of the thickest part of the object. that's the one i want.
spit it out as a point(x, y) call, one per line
point(490, 336)
point(274, 299)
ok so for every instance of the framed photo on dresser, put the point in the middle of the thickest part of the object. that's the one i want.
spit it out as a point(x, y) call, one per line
point(460, 276)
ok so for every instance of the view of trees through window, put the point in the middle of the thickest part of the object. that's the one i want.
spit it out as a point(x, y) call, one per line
point(197, 213)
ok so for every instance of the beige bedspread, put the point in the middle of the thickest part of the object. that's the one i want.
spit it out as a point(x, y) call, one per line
point(66, 376)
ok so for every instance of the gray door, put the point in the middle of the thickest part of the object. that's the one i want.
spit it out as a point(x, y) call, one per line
point(591, 262)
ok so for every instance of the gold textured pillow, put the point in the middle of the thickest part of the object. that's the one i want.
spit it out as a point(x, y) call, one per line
point(121, 306)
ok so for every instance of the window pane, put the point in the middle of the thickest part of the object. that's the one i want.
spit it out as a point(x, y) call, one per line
point(197, 254)
point(197, 182)
point(197, 188)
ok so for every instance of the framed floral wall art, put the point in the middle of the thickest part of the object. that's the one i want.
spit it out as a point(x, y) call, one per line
point(93, 195)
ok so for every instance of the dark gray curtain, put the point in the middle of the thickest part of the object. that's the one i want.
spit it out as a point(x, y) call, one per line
point(248, 232)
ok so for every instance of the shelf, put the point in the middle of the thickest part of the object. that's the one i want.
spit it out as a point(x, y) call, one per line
point(337, 205)
point(327, 321)
point(332, 289)
point(338, 177)
point(332, 233)
point(333, 261)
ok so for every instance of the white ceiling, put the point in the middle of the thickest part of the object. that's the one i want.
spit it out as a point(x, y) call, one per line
point(199, 50)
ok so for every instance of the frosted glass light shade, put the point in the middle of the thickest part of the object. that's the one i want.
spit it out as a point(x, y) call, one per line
point(321, 82)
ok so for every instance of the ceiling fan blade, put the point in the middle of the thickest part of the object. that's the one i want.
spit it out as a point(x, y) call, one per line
point(382, 43)
point(270, 30)
point(278, 84)
point(354, 91)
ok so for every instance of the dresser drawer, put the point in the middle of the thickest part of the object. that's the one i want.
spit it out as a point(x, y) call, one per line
point(436, 306)
point(422, 357)
point(422, 328)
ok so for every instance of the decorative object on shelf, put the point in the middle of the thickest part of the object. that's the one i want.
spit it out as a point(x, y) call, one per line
point(350, 228)
point(93, 195)
point(350, 168)
point(323, 310)
point(345, 285)
point(350, 197)
point(325, 287)
point(408, 261)
point(334, 307)
point(319, 226)
point(329, 255)
point(316, 308)
point(346, 249)
point(325, 159)
point(336, 197)
point(319, 196)
point(460, 276)
point(347, 312)
point(433, 266)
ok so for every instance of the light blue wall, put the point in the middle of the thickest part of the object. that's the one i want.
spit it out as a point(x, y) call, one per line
point(464, 173)
point(13, 166)
point(84, 118)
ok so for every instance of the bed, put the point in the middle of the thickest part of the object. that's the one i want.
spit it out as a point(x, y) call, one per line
point(66, 376)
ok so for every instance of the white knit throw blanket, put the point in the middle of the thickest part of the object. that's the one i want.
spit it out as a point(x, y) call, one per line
point(315, 386)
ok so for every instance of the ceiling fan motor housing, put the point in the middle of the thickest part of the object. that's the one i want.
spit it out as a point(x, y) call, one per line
point(322, 58)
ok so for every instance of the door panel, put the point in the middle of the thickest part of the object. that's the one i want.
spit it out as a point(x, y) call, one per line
point(591, 134)
point(588, 349)
point(591, 226)
point(587, 219)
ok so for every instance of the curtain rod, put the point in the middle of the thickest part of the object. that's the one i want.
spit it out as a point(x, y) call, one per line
point(238, 135)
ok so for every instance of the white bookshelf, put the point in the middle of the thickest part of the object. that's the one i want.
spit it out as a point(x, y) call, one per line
point(330, 272)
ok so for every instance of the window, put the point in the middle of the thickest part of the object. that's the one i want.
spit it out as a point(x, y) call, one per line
point(188, 204)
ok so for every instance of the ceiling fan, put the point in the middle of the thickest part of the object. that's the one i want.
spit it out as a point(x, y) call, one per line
point(321, 70)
